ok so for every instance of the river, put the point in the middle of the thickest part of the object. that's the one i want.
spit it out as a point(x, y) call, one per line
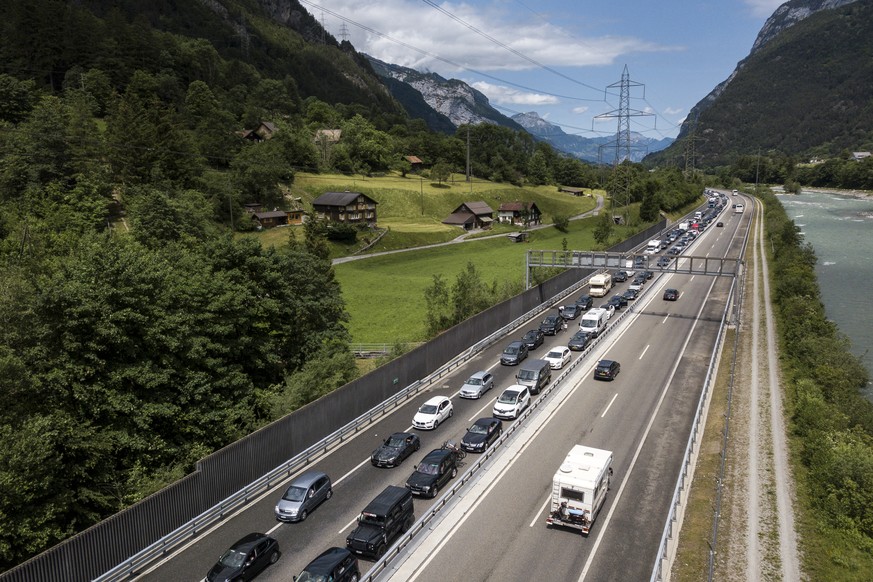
point(840, 229)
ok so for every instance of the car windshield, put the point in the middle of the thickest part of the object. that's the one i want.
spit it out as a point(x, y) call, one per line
point(527, 375)
point(510, 350)
point(232, 558)
point(479, 429)
point(474, 382)
point(530, 335)
point(396, 441)
point(294, 494)
point(371, 518)
point(428, 468)
point(579, 336)
point(508, 397)
point(307, 577)
point(428, 409)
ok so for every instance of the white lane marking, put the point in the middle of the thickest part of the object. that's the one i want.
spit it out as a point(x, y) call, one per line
point(536, 518)
point(348, 525)
point(274, 528)
point(608, 406)
point(645, 349)
point(666, 317)
point(364, 462)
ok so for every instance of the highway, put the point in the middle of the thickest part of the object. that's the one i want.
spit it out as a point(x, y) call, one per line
point(643, 416)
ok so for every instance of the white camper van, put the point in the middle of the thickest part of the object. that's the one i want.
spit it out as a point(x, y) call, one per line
point(579, 488)
point(599, 285)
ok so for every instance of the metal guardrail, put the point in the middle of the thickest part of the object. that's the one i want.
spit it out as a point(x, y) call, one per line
point(194, 527)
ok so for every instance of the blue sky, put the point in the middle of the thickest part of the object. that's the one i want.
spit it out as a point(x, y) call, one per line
point(557, 57)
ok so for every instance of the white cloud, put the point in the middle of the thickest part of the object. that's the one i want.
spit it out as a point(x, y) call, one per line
point(580, 110)
point(673, 110)
point(507, 95)
point(422, 27)
point(764, 8)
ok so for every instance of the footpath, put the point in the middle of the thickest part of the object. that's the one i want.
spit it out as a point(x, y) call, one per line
point(464, 238)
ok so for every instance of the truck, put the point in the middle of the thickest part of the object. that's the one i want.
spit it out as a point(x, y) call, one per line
point(684, 225)
point(594, 321)
point(653, 247)
point(579, 488)
point(600, 284)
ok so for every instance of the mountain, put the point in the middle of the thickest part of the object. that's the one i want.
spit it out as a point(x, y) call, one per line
point(597, 149)
point(452, 100)
point(804, 87)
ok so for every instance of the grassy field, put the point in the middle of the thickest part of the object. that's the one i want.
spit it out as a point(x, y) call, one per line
point(413, 209)
point(385, 294)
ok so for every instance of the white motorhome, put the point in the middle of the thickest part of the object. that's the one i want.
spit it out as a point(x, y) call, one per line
point(653, 247)
point(684, 225)
point(599, 285)
point(738, 209)
point(579, 488)
point(594, 321)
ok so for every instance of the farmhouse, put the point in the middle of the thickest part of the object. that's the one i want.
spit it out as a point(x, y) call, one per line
point(346, 208)
point(470, 215)
point(520, 213)
point(270, 218)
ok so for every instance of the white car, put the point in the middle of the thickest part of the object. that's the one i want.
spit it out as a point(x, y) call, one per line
point(512, 402)
point(558, 356)
point(432, 413)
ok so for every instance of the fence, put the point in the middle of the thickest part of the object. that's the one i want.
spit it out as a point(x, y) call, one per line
point(123, 544)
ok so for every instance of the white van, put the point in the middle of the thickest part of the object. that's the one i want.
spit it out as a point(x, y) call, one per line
point(594, 321)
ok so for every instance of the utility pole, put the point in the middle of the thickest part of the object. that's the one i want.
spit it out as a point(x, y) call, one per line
point(623, 139)
point(468, 152)
point(344, 32)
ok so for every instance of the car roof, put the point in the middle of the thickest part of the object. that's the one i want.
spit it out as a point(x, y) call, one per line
point(515, 343)
point(485, 421)
point(327, 561)
point(306, 479)
point(605, 362)
point(435, 399)
point(386, 499)
point(436, 455)
point(480, 374)
point(558, 349)
point(249, 541)
point(515, 388)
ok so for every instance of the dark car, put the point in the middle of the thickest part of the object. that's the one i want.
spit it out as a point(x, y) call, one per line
point(245, 559)
point(579, 341)
point(630, 294)
point(719, 224)
point(435, 470)
point(617, 301)
point(585, 302)
point(482, 434)
point(514, 353)
point(671, 294)
point(648, 274)
point(607, 370)
point(620, 277)
point(674, 251)
point(552, 324)
point(335, 564)
point(569, 312)
point(533, 338)
point(395, 448)
point(382, 520)
point(639, 262)
point(664, 261)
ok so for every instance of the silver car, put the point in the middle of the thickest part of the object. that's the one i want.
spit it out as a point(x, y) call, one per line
point(304, 494)
point(477, 385)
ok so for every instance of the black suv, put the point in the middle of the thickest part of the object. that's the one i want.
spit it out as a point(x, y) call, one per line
point(384, 518)
point(514, 353)
point(245, 559)
point(533, 338)
point(552, 324)
point(433, 472)
point(336, 564)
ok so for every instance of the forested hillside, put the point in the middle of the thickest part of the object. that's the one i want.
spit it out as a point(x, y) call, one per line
point(805, 93)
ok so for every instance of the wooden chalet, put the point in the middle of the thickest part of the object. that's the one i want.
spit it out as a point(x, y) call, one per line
point(519, 213)
point(471, 215)
point(345, 208)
